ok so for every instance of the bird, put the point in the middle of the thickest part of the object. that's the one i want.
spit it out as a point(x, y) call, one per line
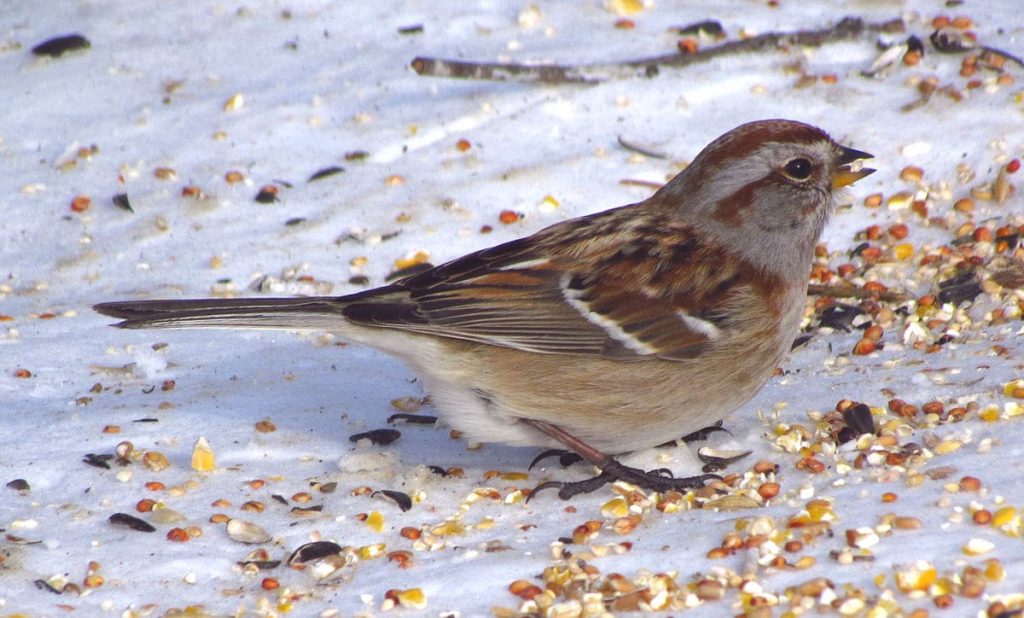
point(606, 333)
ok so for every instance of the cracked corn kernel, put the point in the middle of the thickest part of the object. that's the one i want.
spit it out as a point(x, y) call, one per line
point(234, 102)
point(1014, 388)
point(994, 570)
point(918, 576)
point(624, 8)
point(369, 552)
point(375, 521)
point(976, 547)
point(549, 204)
point(903, 251)
point(616, 507)
point(990, 414)
point(899, 200)
point(203, 459)
point(413, 598)
point(419, 257)
point(1005, 516)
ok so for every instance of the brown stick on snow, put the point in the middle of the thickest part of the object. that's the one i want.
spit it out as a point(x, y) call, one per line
point(850, 291)
point(847, 28)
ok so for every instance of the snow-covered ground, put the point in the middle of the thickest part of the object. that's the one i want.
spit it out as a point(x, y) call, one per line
point(189, 109)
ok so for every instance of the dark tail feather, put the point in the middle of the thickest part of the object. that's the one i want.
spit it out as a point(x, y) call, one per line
point(269, 313)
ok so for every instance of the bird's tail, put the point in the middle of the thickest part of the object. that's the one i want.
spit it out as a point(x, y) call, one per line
point(265, 313)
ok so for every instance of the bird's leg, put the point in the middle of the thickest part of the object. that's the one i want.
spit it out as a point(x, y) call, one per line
point(611, 470)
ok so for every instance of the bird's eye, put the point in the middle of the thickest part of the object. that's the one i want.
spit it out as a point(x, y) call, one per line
point(798, 169)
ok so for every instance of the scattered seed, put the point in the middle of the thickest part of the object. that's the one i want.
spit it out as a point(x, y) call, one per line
point(246, 532)
point(58, 46)
point(155, 461)
point(98, 460)
point(413, 419)
point(325, 172)
point(379, 437)
point(509, 216)
point(203, 459)
point(267, 194)
point(20, 485)
point(768, 490)
point(314, 551)
point(124, 519)
point(121, 201)
point(401, 499)
point(408, 271)
point(269, 583)
point(234, 102)
point(959, 289)
point(81, 203)
point(253, 506)
point(719, 458)
point(708, 27)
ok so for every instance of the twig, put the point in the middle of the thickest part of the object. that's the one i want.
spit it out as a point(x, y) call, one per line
point(847, 28)
point(647, 152)
point(634, 182)
point(849, 291)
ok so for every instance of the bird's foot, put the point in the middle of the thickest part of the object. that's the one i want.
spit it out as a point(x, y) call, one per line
point(655, 480)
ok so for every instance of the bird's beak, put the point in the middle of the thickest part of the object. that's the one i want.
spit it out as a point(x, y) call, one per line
point(845, 174)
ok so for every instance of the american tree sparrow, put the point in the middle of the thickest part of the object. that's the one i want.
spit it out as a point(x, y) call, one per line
point(607, 333)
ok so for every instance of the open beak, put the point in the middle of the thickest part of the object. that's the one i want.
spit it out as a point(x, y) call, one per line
point(844, 174)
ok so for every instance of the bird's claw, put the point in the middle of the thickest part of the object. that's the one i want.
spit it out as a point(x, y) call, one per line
point(565, 458)
point(660, 480)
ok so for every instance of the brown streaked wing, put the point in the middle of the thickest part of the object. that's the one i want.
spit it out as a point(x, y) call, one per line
point(508, 296)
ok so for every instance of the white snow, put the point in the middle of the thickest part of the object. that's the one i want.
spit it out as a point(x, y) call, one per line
point(319, 79)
